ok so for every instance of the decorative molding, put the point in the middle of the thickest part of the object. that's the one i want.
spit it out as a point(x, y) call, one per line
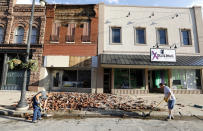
point(28, 9)
point(3, 8)
point(74, 13)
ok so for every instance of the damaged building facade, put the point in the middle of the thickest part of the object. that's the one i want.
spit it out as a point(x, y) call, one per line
point(14, 25)
point(70, 48)
point(140, 47)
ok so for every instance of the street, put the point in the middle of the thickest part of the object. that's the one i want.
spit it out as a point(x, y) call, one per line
point(99, 124)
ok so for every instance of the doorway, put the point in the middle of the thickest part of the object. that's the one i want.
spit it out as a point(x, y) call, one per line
point(107, 80)
point(156, 77)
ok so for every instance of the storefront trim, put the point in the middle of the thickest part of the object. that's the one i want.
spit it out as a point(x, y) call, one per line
point(150, 67)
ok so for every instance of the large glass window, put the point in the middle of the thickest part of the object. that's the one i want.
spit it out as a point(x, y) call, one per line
point(140, 36)
point(162, 36)
point(116, 34)
point(185, 37)
point(1, 35)
point(186, 79)
point(19, 35)
point(77, 78)
point(129, 79)
point(34, 37)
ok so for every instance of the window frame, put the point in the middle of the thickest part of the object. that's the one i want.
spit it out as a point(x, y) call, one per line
point(17, 35)
point(55, 32)
point(135, 36)
point(190, 37)
point(158, 36)
point(111, 36)
point(69, 28)
point(89, 32)
point(36, 36)
point(3, 35)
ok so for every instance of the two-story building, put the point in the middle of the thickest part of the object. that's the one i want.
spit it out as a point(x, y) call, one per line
point(70, 47)
point(14, 26)
point(140, 47)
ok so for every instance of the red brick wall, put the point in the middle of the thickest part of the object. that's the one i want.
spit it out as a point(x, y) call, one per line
point(76, 49)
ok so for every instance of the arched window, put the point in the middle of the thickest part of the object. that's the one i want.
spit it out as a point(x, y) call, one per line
point(19, 34)
point(1, 35)
point(34, 37)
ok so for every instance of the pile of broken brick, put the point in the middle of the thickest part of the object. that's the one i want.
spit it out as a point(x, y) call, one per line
point(84, 101)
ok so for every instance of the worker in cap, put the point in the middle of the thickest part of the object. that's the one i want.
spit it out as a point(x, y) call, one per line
point(37, 99)
point(169, 97)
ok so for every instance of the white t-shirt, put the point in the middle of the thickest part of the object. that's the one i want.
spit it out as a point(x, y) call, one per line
point(166, 91)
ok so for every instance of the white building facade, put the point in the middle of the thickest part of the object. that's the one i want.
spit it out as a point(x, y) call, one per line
point(127, 34)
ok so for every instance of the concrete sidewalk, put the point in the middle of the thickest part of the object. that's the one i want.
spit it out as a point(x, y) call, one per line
point(184, 106)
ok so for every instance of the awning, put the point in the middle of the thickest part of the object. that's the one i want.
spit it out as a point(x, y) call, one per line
point(144, 60)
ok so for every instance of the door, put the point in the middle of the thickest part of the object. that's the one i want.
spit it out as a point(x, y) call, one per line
point(155, 78)
point(107, 80)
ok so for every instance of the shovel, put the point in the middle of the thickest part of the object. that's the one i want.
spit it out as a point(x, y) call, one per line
point(146, 115)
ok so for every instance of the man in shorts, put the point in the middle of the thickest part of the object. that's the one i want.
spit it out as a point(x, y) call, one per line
point(169, 98)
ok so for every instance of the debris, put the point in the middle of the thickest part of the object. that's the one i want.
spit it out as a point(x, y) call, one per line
point(180, 105)
point(79, 101)
point(198, 106)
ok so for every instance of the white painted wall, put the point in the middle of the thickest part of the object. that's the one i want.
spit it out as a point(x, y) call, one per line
point(139, 16)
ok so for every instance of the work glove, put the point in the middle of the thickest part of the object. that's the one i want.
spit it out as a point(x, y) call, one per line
point(165, 99)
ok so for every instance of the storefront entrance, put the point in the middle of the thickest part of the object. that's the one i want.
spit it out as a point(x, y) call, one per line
point(107, 80)
point(156, 77)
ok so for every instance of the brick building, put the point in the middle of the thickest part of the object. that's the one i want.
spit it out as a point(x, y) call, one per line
point(14, 25)
point(70, 45)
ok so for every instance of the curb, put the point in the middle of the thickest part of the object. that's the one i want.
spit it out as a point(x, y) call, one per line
point(103, 114)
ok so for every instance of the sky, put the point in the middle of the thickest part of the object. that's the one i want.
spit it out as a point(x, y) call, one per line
point(172, 3)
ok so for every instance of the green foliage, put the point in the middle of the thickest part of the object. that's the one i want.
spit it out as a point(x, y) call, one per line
point(18, 64)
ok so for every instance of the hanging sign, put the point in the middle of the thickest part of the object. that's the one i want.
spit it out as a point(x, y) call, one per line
point(163, 55)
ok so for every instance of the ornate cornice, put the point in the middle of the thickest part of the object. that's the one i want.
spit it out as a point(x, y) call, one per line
point(76, 13)
point(22, 8)
point(3, 8)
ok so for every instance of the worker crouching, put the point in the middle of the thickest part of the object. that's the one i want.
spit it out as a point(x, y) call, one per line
point(37, 105)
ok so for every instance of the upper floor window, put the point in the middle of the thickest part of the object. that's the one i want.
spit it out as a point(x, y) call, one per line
point(140, 35)
point(19, 35)
point(186, 37)
point(34, 36)
point(86, 32)
point(55, 32)
point(162, 36)
point(1, 35)
point(70, 37)
point(116, 34)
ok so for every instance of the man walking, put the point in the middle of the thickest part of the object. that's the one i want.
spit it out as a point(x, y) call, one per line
point(169, 98)
point(37, 99)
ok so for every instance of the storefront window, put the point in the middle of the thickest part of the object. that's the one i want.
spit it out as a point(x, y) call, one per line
point(129, 79)
point(77, 78)
point(84, 76)
point(186, 79)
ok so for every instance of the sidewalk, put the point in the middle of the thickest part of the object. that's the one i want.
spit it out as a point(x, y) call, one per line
point(184, 107)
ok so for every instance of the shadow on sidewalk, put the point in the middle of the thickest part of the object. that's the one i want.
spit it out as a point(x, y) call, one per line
point(8, 107)
point(15, 119)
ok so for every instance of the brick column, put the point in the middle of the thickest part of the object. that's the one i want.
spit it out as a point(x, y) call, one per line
point(8, 30)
